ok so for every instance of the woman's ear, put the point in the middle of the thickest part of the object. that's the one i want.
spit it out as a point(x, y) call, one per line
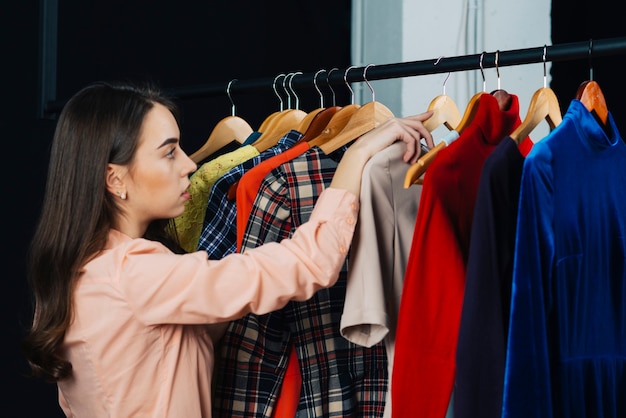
point(114, 180)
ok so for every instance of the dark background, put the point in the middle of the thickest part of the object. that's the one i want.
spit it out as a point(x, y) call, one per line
point(179, 44)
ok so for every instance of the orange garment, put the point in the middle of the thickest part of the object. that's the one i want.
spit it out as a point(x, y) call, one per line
point(289, 396)
point(250, 182)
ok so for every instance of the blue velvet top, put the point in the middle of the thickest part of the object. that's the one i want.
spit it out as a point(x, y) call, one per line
point(567, 339)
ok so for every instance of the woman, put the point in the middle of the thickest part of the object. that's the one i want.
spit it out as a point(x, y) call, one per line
point(120, 313)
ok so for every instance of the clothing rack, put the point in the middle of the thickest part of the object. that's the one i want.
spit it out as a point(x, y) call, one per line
point(548, 53)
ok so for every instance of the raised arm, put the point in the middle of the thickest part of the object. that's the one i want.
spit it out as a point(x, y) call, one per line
point(408, 129)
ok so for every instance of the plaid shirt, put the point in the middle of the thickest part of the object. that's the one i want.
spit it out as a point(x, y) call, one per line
point(340, 379)
point(219, 231)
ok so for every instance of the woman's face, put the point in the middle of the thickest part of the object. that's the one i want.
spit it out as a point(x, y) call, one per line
point(158, 177)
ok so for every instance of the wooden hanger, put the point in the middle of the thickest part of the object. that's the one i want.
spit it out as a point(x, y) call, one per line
point(502, 96)
point(267, 121)
point(445, 110)
point(231, 128)
point(282, 124)
point(416, 170)
point(227, 130)
point(337, 122)
point(544, 105)
point(306, 121)
point(447, 114)
point(470, 112)
point(590, 94)
point(273, 122)
point(305, 125)
point(285, 121)
point(319, 123)
point(472, 105)
point(364, 119)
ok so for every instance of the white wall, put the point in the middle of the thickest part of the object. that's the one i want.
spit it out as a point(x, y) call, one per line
point(390, 31)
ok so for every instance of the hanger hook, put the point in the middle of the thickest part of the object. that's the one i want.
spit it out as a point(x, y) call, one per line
point(331, 87)
point(276, 91)
point(367, 81)
point(447, 77)
point(232, 108)
point(345, 80)
point(292, 89)
point(590, 61)
point(498, 68)
point(482, 70)
point(318, 89)
point(286, 90)
point(545, 77)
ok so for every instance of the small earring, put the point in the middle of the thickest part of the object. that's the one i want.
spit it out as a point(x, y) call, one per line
point(123, 196)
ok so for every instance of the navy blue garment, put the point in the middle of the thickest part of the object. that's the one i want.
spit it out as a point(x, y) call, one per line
point(481, 348)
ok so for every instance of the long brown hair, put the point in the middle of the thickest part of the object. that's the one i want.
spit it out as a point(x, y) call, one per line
point(101, 124)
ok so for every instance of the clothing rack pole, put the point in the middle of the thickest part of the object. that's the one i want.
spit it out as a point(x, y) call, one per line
point(562, 52)
point(559, 52)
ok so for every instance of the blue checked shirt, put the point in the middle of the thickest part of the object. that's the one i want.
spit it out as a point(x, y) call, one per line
point(219, 230)
point(340, 379)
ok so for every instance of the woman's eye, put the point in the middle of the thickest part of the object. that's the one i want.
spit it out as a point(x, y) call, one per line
point(171, 153)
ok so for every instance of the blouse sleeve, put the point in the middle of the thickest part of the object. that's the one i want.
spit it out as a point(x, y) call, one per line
point(164, 287)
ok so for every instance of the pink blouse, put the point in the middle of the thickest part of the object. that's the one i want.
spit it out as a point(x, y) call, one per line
point(139, 341)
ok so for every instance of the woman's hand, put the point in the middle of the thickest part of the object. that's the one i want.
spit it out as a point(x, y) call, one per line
point(409, 129)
